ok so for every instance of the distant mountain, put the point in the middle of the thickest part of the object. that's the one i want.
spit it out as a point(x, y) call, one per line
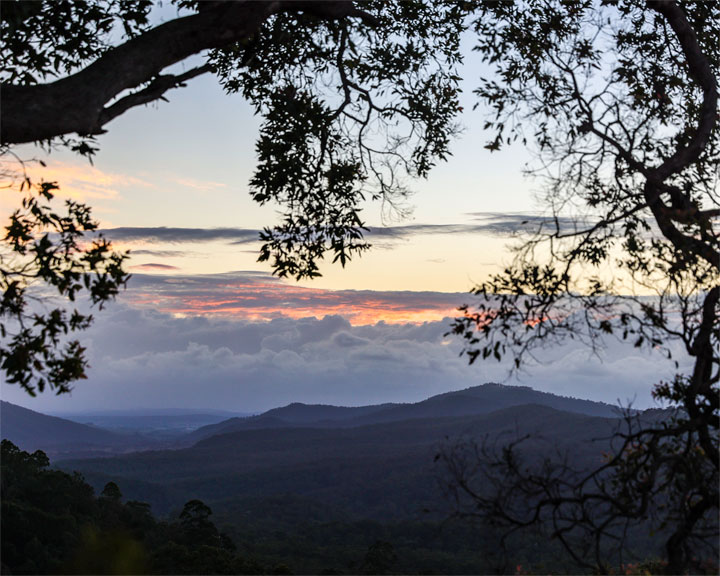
point(295, 414)
point(298, 413)
point(61, 438)
point(485, 399)
point(469, 402)
point(373, 471)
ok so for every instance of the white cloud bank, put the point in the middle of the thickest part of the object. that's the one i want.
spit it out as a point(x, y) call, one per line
point(147, 359)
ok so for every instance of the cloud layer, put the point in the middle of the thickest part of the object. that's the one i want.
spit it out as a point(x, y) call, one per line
point(497, 224)
point(142, 357)
point(259, 296)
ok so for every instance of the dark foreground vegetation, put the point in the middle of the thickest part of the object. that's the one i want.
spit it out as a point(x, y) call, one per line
point(52, 523)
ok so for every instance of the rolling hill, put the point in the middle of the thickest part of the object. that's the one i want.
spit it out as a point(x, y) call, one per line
point(469, 402)
point(383, 470)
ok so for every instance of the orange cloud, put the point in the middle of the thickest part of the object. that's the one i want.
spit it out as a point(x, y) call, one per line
point(258, 297)
point(154, 266)
point(79, 180)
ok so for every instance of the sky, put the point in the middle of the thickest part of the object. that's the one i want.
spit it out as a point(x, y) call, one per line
point(203, 324)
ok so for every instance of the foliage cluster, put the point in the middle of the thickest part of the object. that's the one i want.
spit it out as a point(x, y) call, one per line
point(48, 256)
point(348, 107)
point(41, 44)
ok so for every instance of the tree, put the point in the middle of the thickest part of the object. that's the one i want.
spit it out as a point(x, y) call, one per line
point(111, 493)
point(621, 101)
point(43, 250)
point(352, 98)
point(196, 525)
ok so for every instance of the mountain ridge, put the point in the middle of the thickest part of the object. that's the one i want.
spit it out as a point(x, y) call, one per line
point(474, 400)
point(338, 462)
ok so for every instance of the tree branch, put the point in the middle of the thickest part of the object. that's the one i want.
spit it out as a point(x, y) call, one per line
point(154, 91)
point(77, 103)
point(684, 156)
point(701, 72)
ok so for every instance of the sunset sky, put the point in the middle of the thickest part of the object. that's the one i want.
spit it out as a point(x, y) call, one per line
point(203, 324)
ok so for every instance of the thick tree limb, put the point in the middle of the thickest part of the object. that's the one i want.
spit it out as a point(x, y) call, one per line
point(684, 156)
point(701, 72)
point(684, 243)
point(77, 103)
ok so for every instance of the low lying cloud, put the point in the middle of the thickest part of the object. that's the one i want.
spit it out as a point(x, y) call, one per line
point(149, 359)
point(160, 253)
point(259, 296)
point(512, 224)
point(180, 235)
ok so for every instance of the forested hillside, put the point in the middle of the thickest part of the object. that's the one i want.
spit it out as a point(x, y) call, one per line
point(317, 498)
point(52, 523)
point(471, 401)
